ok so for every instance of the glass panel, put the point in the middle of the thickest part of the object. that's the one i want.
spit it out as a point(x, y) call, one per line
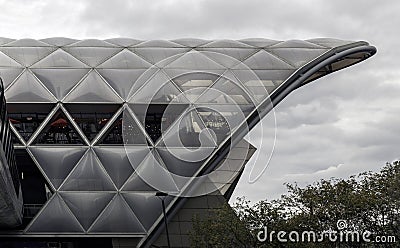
point(228, 57)
point(58, 59)
point(59, 41)
point(124, 42)
point(132, 134)
point(297, 44)
point(27, 55)
point(182, 161)
point(194, 60)
point(265, 61)
point(158, 43)
point(156, 118)
point(113, 135)
point(91, 118)
point(154, 173)
point(125, 60)
point(122, 80)
point(92, 89)
point(57, 162)
point(259, 42)
point(8, 75)
point(224, 91)
point(223, 119)
point(91, 43)
point(227, 44)
point(86, 206)
point(117, 218)
point(28, 89)
point(55, 218)
point(60, 81)
point(156, 54)
point(191, 42)
point(188, 131)
point(6, 61)
point(27, 43)
point(25, 120)
point(136, 183)
point(159, 89)
point(144, 203)
point(58, 130)
point(297, 56)
point(92, 56)
point(88, 175)
point(115, 161)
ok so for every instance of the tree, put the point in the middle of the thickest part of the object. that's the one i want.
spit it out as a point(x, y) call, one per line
point(366, 202)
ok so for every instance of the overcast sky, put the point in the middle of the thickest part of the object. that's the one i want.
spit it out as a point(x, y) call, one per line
point(340, 125)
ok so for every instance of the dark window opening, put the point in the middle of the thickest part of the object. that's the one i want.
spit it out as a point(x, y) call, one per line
point(26, 118)
point(91, 118)
point(35, 191)
point(113, 136)
point(59, 130)
point(156, 118)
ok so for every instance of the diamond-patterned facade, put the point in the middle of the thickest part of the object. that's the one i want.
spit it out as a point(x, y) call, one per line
point(153, 91)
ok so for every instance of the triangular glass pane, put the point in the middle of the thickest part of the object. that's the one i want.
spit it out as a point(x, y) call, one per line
point(5, 40)
point(27, 43)
point(124, 42)
point(88, 175)
point(57, 162)
point(132, 133)
point(59, 130)
point(86, 206)
point(190, 132)
point(92, 89)
point(157, 118)
point(297, 56)
point(223, 119)
point(266, 61)
point(92, 56)
point(59, 59)
point(59, 41)
point(55, 218)
point(226, 44)
point(228, 57)
point(60, 81)
point(297, 44)
point(159, 89)
point(154, 173)
point(8, 75)
point(183, 161)
point(259, 42)
point(224, 91)
point(28, 89)
point(91, 118)
point(135, 183)
point(193, 84)
point(91, 43)
point(27, 117)
point(157, 54)
point(116, 162)
point(158, 43)
point(122, 80)
point(194, 60)
point(113, 135)
point(6, 61)
point(117, 217)
point(125, 60)
point(144, 203)
point(191, 42)
point(27, 55)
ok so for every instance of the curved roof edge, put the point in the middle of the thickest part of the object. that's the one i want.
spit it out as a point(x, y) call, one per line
point(333, 60)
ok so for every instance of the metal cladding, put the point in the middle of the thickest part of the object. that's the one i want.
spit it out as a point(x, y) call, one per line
point(180, 104)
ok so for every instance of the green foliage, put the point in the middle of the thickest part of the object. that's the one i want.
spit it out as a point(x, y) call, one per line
point(369, 201)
